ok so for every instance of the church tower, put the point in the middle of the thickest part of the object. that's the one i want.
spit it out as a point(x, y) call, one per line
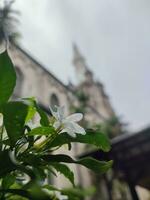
point(82, 71)
point(94, 90)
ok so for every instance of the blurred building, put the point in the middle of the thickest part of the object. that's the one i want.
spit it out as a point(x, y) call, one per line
point(88, 96)
point(34, 80)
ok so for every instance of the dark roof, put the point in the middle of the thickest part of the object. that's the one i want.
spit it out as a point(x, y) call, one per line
point(131, 155)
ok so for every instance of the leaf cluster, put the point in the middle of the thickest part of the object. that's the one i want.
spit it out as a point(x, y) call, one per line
point(27, 153)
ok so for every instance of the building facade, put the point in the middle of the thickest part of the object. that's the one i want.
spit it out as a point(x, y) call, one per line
point(34, 80)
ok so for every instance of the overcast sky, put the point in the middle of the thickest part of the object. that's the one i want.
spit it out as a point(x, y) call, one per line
point(114, 37)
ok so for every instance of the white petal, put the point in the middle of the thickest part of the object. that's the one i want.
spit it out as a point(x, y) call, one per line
point(60, 196)
point(74, 127)
point(68, 124)
point(69, 131)
point(51, 110)
point(56, 124)
point(78, 129)
point(54, 113)
point(60, 111)
point(75, 117)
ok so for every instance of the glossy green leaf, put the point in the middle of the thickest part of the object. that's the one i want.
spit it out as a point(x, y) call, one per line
point(65, 170)
point(8, 181)
point(43, 130)
point(32, 160)
point(35, 193)
point(14, 120)
point(44, 118)
point(97, 166)
point(6, 165)
point(17, 193)
point(40, 173)
point(31, 113)
point(51, 188)
point(73, 193)
point(7, 77)
point(97, 139)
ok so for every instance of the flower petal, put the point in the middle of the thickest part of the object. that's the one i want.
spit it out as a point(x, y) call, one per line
point(54, 113)
point(75, 117)
point(78, 129)
point(69, 132)
point(56, 124)
point(74, 127)
point(60, 111)
point(60, 196)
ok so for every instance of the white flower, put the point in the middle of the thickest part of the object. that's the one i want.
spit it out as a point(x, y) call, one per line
point(60, 196)
point(68, 124)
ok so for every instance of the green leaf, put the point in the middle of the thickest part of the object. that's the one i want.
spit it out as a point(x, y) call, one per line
point(31, 113)
point(14, 120)
point(6, 165)
point(42, 130)
point(37, 193)
point(40, 173)
point(63, 169)
point(51, 188)
point(97, 166)
point(44, 118)
point(8, 181)
point(34, 194)
point(31, 159)
point(95, 138)
point(18, 192)
point(74, 193)
point(7, 77)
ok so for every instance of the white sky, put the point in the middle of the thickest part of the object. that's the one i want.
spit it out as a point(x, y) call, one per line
point(114, 37)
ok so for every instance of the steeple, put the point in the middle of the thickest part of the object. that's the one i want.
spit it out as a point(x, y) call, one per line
point(80, 65)
point(77, 55)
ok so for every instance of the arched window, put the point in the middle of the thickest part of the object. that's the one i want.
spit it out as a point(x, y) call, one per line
point(19, 82)
point(54, 100)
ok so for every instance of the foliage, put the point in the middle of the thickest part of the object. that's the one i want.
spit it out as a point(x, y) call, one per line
point(112, 127)
point(8, 22)
point(27, 149)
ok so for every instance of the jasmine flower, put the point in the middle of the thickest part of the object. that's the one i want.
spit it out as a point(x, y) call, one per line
point(67, 124)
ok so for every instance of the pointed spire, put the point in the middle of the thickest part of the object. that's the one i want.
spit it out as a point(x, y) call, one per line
point(82, 72)
point(77, 54)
